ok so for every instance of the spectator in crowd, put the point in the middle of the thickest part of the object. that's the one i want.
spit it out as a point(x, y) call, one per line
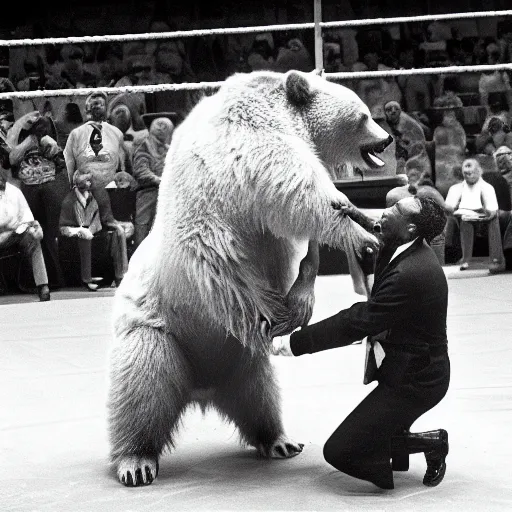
point(71, 118)
point(148, 165)
point(494, 81)
point(261, 54)
point(125, 112)
point(35, 78)
point(73, 75)
point(474, 201)
point(109, 58)
point(505, 41)
point(80, 219)
point(450, 142)
point(498, 107)
point(496, 135)
point(405, 130)
point(293, 55)
point(18, 228)
point(37, 161)
point(6, 122)
point(333, 62)
point(503, 158)
point(375, 92)
point(97, 148)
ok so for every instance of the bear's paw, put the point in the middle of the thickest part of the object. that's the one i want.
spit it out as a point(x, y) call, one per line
point(133, 471)
point(281, 448)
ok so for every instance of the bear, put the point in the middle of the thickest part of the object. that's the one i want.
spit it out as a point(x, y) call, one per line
point(231, 260)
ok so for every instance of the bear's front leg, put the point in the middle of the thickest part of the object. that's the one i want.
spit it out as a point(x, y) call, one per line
point(300, 298)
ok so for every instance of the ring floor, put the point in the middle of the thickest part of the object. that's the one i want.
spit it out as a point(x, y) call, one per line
point(53, 437)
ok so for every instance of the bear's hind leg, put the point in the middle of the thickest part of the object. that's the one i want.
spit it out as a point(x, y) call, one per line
point(149, 389)
point(251, 399)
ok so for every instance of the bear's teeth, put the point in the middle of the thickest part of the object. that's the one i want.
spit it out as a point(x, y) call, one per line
point(375, 159)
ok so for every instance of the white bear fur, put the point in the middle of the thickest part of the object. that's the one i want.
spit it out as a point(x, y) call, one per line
point(245, 188)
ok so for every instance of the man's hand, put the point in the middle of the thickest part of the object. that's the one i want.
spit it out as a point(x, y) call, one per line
point(281, 346)
point(85, 233)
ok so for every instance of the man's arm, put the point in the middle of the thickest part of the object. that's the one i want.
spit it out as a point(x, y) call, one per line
point(69, 156)
point(388, 307)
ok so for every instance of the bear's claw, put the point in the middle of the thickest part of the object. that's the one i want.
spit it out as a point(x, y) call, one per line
point(133, 471)
point(282, 448)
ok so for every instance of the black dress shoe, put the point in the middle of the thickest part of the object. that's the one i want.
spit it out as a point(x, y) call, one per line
point(44, 293)
point(436, 461)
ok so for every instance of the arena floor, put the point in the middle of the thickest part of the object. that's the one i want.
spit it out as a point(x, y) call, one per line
point(53, 435)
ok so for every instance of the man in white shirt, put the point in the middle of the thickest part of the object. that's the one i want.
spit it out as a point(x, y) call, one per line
point(18, 227)
point(474, 201)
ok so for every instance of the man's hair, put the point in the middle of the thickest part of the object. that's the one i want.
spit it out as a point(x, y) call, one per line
point(431, 219)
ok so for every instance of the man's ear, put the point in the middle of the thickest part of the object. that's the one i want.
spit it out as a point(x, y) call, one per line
point(298, 90)
point(412, 229)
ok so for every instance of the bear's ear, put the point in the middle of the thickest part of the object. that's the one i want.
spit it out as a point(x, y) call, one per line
point(298, 89)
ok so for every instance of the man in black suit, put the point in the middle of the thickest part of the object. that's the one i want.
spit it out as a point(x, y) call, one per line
point(405, 320)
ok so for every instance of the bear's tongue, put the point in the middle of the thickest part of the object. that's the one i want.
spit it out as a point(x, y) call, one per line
point(371, 159)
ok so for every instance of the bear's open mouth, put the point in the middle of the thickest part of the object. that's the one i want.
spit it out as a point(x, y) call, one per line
point(368, 153)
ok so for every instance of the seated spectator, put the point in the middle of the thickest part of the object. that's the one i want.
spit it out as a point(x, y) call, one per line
point(109, 58)
point(18, 228)
point(496, 135)
point(73, 75)
point(503, 158)
point(37, 162)
point(148, 165)
point(36, 78)
point(473, 202)
point(80, 219)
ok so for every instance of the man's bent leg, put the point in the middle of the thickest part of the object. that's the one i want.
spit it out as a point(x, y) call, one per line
point(119, 253)
point(361, 445)
point(85, 248)
point(104, 206)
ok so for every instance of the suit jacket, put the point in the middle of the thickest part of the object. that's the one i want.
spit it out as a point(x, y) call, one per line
point(406, 311)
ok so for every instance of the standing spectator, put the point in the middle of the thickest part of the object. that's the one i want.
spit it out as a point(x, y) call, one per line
point(496, 135)
point(109, 58)
point(148, 165)
point(18, 227)
point(261, 54)
point(37, 161)
point(474, 201)
point(293, 55)
point(79, 217)
point(97, 148)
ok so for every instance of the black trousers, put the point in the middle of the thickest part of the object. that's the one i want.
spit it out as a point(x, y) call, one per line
point(361, 445)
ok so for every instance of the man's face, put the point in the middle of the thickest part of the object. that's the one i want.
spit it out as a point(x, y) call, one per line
point(396, 222)
point(471, 171)
point(97, 108)
point(392, 111)
point(83, 182)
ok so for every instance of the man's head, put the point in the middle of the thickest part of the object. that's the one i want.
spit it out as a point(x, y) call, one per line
point(82, 181)
point(471, 171)
point(410, 218)
point(392, 110)
point(96, 106)
point(162, 129)
point(503, 157)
